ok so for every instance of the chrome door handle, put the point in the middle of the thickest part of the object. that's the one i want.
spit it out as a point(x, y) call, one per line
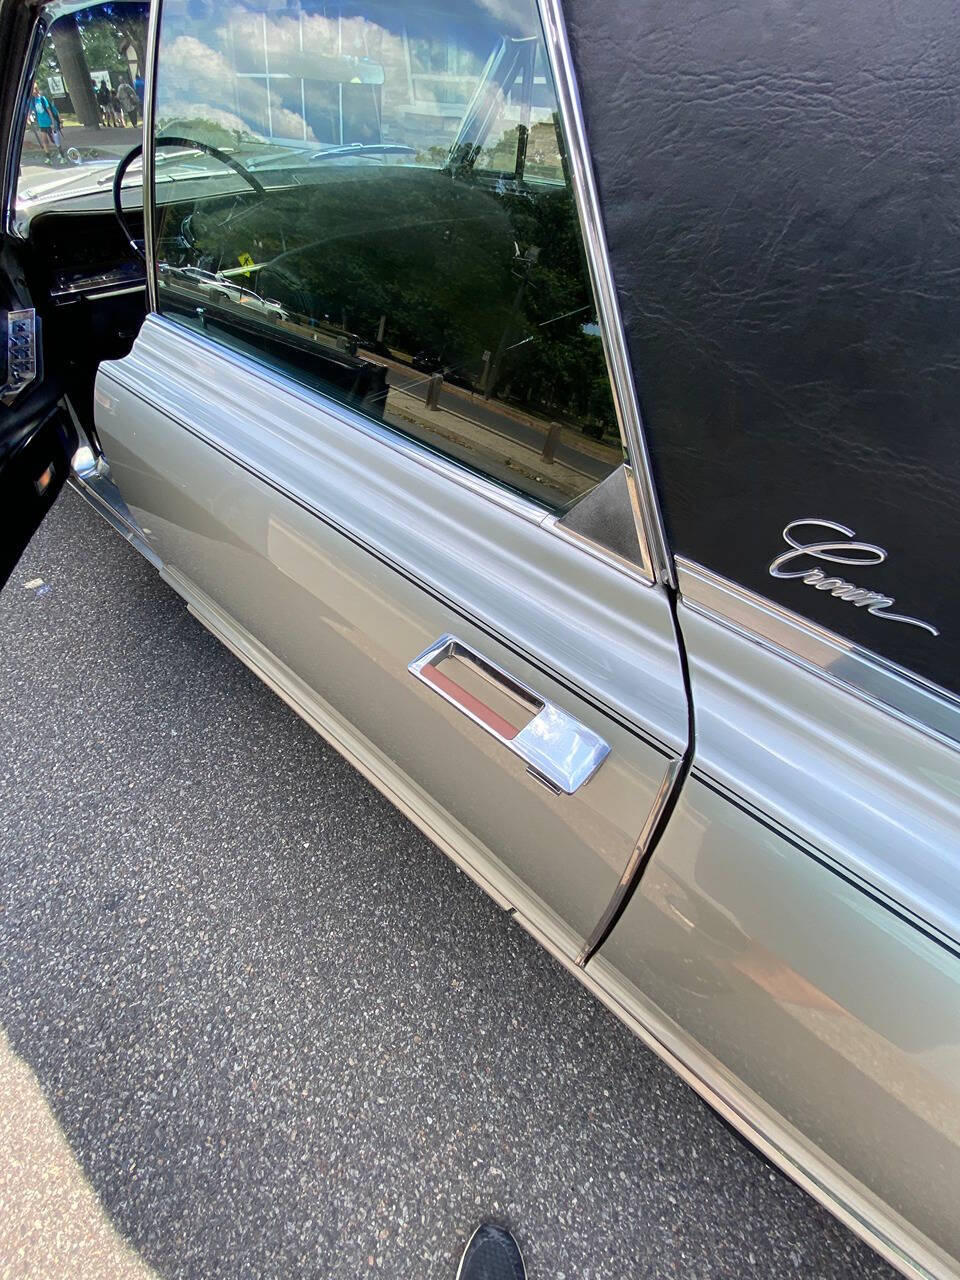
point(556, 748)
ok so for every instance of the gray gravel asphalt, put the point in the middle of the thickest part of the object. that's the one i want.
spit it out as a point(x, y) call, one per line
point(284, 1036)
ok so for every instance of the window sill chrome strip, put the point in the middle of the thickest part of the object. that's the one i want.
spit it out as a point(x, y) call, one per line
point(917, 702)
point(478, 484)
point(523, 507)
point(653, 542)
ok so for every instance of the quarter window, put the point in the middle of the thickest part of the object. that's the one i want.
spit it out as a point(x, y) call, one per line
point(374, 198)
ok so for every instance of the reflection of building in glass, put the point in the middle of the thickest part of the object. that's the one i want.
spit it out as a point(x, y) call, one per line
point(339, 79)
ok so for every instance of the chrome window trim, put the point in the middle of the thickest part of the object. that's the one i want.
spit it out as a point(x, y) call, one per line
point(11, 168)
point(917, 702)
point(147, 169)
point(653, 542)
point(455, 472)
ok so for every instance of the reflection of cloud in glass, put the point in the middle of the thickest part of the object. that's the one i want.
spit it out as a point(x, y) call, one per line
point(517, 17)
point(193, 73)
point(275, 43)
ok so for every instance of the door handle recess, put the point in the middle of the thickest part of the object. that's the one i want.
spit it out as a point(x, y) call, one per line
point(556, 748)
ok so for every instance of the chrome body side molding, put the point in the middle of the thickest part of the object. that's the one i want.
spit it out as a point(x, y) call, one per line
point(770, 1132)
point(917, 702)
point(871, 793)
point(823, 1028)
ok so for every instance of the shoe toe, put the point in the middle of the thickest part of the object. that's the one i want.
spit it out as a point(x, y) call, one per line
point(492, 1254)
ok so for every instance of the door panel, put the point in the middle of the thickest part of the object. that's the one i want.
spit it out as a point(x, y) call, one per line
point(357, 554)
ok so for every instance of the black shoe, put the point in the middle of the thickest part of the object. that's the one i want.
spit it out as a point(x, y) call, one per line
point(491, 1254)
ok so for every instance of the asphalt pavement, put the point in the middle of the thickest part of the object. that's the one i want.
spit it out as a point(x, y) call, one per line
point(279, 1032)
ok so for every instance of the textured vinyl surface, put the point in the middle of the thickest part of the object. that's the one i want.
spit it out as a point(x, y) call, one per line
point(282, 1034)
point(781, 195)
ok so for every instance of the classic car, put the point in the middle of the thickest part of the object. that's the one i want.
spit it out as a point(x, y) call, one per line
point(646, 612)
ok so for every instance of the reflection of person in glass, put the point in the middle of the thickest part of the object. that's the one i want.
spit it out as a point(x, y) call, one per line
point(129, 102)
point(46, 117)
point(103, 102)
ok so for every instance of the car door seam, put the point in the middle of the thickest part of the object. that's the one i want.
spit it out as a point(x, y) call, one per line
point(660, 813)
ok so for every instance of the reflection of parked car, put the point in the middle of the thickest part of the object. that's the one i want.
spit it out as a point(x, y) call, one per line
point(695, 720)
point(427, 362)
point(221, 289)
point(430, 362)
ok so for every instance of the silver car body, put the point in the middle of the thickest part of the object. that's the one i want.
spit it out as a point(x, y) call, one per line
point(761, 876)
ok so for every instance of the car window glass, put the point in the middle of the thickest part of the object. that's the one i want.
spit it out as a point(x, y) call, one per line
point(84, 108)
point(374, 198)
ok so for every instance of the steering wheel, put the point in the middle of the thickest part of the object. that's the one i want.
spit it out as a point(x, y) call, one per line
point(167, 141)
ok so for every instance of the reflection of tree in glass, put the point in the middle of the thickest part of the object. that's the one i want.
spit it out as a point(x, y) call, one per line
point(457, 268)
point(106, 31)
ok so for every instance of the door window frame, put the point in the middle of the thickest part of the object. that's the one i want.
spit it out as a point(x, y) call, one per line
point(656, 562)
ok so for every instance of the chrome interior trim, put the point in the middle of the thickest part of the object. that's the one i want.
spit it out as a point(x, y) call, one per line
point(149, 151)
point(99, 296)
point(653, 541)
point(918, 702)
point(668, 786)
point(554, 745)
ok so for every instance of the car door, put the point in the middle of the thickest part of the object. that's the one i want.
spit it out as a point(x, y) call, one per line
point(370, 429)
point(37, 438)
point(71, 290)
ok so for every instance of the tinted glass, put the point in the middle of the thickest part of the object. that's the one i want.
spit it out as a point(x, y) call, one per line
point(381, 209)
point(84, 109)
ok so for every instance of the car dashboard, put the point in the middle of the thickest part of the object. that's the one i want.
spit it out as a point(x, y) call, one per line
point(83, 253)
